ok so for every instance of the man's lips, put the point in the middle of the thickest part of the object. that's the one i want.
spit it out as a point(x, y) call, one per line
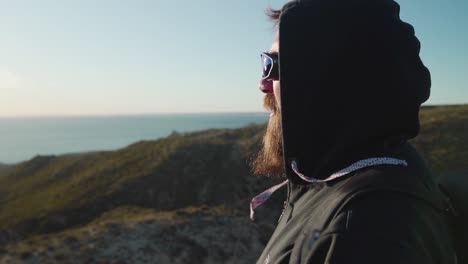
point(266, 86)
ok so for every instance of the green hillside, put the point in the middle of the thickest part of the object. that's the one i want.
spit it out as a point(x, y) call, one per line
point(444, 138)
point(48, 199)
point(48, 193)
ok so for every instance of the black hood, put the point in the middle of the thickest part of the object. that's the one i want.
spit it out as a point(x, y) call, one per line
point(352, 83)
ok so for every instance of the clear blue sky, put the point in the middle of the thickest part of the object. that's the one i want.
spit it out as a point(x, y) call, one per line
point(85, 57)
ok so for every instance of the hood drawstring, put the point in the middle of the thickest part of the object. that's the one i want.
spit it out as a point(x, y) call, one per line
point(264, 196)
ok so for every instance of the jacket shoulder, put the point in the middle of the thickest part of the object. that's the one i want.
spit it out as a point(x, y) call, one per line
point(380, 227)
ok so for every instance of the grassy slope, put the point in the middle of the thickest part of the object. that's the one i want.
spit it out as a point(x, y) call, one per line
point(49, 194)
point(444, 138)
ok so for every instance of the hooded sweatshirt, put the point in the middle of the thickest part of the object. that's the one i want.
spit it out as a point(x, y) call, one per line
point(352, 83)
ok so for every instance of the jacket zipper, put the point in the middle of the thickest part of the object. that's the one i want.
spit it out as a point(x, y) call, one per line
point(285, 204)
point(282, 213)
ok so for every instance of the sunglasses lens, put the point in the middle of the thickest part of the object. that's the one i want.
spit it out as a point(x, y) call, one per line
point(267, 64)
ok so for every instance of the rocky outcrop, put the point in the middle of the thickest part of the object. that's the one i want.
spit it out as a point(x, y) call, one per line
point(192, 235)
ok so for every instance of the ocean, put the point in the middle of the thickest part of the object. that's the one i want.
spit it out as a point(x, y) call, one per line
point(23, 138)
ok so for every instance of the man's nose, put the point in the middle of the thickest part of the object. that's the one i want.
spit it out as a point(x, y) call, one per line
point(266, 86)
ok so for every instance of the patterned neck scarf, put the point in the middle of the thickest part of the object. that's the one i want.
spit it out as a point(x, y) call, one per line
point(264, 196)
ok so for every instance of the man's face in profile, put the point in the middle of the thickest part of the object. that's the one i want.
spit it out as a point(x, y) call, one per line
point(269, 160)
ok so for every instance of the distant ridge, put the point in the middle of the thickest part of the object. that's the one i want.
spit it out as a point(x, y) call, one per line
point(4, 167)
point(27, 137)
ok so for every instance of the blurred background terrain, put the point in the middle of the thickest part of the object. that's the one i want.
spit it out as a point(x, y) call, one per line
point(180, 199)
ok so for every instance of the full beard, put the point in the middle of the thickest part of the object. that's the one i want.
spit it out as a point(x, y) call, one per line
point(269, 160)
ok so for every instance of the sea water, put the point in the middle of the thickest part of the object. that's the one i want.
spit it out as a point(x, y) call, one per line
point(24, 138)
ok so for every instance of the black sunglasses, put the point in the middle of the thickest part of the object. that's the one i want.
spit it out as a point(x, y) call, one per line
point(270, 66)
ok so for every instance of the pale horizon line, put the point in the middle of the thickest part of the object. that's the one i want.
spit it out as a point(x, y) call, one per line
point(131, 114)
point(166, 113)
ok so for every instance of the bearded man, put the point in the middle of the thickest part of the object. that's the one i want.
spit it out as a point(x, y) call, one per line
point(344, 84)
